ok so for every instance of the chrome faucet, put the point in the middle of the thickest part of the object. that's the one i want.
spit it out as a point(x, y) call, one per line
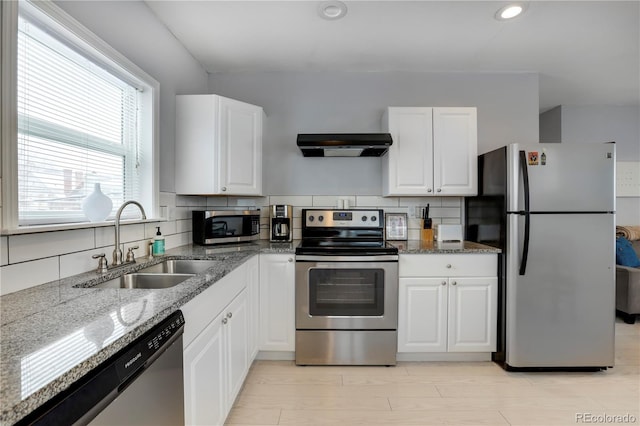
point(117, 253)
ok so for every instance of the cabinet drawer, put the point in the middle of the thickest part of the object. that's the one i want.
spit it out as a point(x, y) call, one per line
point(448, 265)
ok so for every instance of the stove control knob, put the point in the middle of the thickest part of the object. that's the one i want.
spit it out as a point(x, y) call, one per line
point(364, 218)
point(373, 218)
point(320, 218)
point(311, 218)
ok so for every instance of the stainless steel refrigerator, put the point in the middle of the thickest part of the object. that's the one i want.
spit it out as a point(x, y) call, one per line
point(551, 209)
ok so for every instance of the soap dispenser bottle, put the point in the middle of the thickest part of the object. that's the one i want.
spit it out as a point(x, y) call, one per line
point(158, 243)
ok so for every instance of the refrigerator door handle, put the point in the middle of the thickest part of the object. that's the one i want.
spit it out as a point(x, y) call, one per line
point(526, 212)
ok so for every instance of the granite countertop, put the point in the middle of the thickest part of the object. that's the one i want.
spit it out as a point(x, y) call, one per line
point(53, 334)
point(434, 247)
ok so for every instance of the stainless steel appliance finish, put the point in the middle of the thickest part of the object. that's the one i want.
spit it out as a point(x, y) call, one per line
point(141, 385)
point(551, 209)
point(346, 290)
point(280, 221)
point(346, 347)
point(225, 226)
point(339, 294)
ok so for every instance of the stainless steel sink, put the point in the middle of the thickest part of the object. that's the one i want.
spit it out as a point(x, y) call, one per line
point(180, 266)
point(162, 275)
point(145, 280)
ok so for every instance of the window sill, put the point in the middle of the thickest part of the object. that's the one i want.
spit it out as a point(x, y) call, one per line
point(35, 229)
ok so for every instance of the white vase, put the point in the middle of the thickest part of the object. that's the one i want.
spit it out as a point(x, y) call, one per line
point(97, 206)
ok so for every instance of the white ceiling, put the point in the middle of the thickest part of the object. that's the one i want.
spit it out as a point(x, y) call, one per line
point(586, 52)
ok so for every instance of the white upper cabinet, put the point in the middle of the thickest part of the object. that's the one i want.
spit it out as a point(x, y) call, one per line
point(455, 151)
point(408, 165)
point(218, 146)
point(434, 151)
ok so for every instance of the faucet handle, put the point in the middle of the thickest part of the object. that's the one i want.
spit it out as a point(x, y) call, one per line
point(102, 263)
point(131, 257)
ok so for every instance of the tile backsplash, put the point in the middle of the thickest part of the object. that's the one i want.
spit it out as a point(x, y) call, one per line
point(27, 260)
point(443, 210)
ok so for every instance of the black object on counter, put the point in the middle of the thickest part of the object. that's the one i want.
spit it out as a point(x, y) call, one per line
point(426, 221)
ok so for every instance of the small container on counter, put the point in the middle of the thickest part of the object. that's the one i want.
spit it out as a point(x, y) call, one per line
point(158, 243)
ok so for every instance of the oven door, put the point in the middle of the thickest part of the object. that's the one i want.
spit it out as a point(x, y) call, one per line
point(346, 295)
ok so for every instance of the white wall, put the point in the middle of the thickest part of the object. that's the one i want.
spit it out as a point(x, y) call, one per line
point(551, 125)
point(621, 124)
point(354, 102)
point(591, 124)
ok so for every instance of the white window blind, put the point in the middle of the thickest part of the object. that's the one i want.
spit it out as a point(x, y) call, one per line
point(77, 126)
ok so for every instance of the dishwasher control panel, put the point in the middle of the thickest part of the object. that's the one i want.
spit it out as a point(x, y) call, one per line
point(148, 345)
point(175, 323)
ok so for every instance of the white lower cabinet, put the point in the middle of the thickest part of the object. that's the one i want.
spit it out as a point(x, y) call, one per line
point(277, 302)
point(452, 313)
point(422, 315)
point(204, 389)
point(472, 314)
point(235, 334)
point(216, 348)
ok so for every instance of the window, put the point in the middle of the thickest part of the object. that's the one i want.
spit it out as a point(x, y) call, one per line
point(82, 118)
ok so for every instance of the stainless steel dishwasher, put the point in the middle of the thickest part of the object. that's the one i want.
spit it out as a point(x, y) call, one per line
point(141, 385)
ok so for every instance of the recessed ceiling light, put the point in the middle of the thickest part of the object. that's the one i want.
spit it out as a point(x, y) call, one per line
point(332, 10)
point(509, 11)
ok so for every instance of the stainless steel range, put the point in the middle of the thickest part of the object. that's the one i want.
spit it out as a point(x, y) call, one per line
point(346, 290)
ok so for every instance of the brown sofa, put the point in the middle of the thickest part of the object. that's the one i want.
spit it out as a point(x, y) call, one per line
point(628, 290)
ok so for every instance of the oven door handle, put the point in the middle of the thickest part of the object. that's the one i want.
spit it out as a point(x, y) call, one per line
point(381, 258)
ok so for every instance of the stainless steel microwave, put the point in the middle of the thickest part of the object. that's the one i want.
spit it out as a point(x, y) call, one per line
point(225, 226)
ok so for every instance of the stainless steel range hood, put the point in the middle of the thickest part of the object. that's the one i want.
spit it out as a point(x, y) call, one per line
point(344, 144)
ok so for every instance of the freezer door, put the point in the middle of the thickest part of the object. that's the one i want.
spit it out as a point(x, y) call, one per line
point(572, 178)
point(561, 312)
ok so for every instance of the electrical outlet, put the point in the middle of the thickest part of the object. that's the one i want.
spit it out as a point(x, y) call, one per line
point(415, 212)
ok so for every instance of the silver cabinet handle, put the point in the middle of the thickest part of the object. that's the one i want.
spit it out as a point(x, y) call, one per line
point(429, 190)
point(439, 190)
point(224, 188)
point(448, 266)
point(454, 283)
point(444, 283)
point(290, 260)
point(224, 320)
point(229, 314)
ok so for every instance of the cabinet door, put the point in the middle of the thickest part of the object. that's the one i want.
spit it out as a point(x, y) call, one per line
point(422, 315)
point(253, 299)
point(277, 318)
point(236, 339)
point(472, 314)
point(204, 387)
point(408, 165)
point(455, 150)
point(240, 165)
point(196, 148)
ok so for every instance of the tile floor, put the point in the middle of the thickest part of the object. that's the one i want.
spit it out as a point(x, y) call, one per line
point(437, 393)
